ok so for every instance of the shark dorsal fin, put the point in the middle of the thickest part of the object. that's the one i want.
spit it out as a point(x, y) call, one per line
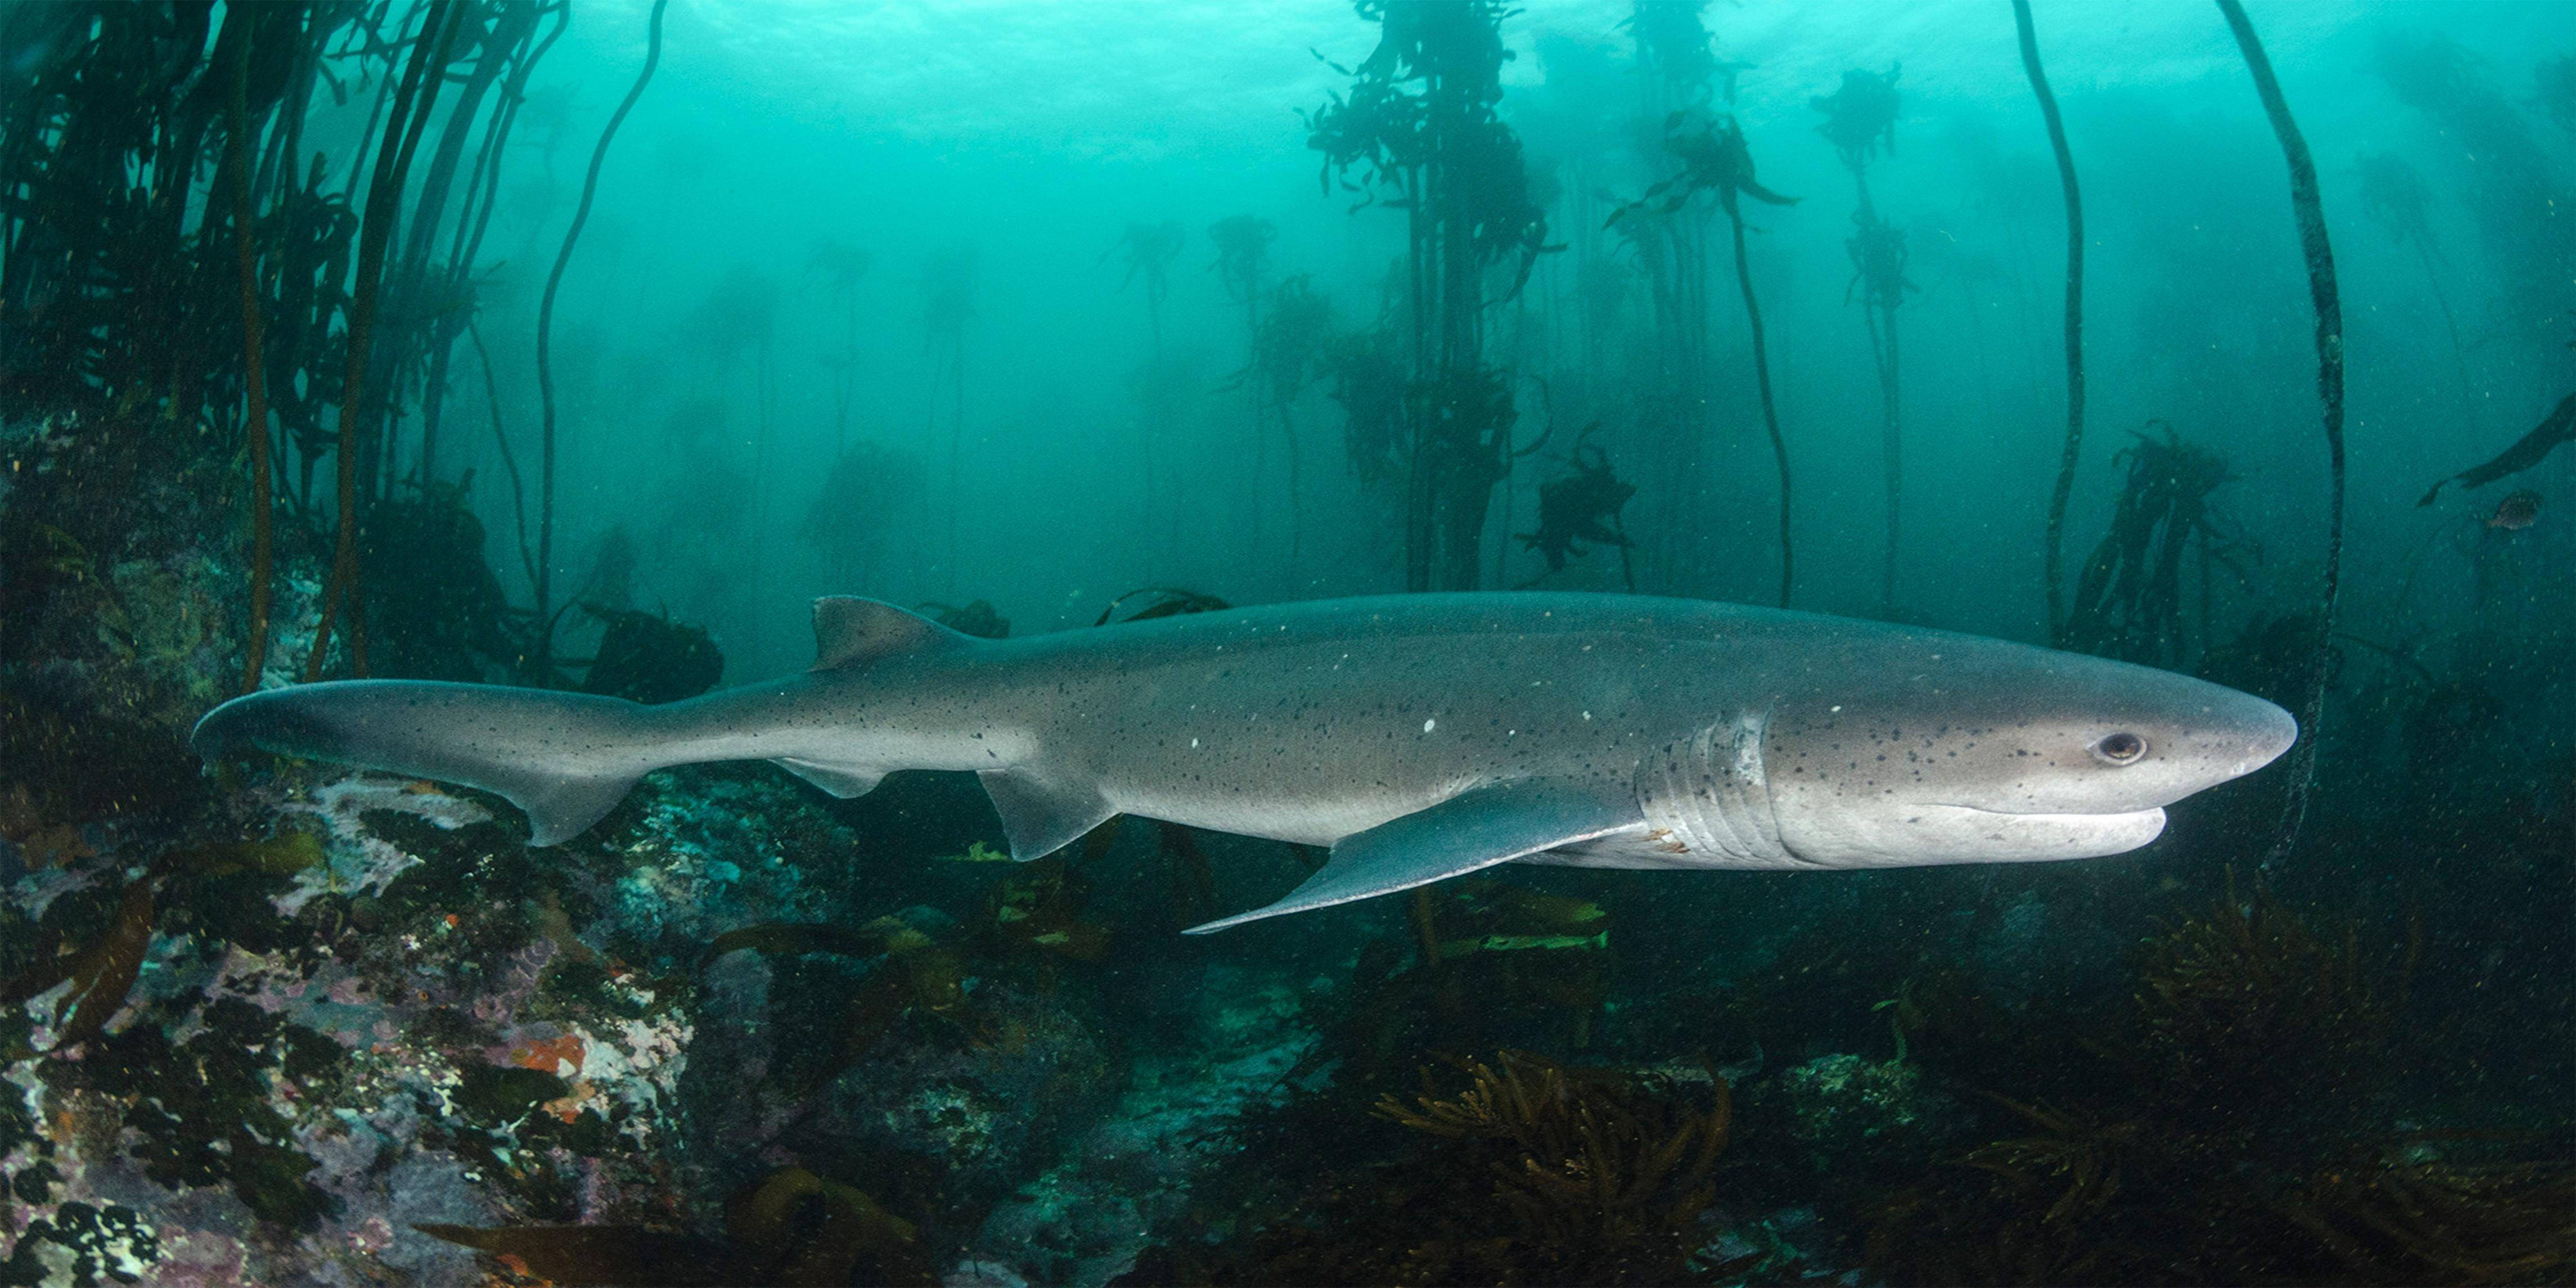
point(849, 630)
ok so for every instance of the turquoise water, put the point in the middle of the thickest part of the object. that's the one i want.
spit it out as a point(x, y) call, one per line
point(1038, 136)
point(1041, 319)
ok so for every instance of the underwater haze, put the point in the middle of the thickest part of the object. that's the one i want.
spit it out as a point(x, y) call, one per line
point(913, 389)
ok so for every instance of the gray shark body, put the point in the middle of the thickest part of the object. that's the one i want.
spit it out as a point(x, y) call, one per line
point(1419, 737)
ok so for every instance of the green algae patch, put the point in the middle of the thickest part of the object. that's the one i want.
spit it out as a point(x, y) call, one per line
point(282, 855)
point(497, 1093)
point(201, 1110)
point(96, 1244)
point(508, 1123)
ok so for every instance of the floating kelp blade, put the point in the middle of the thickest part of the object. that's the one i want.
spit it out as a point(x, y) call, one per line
point(579, 1256)
point(2558, 427)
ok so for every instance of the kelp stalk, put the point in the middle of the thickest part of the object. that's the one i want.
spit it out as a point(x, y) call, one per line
point(1860, 119)
point(501, 438)
point(254, 362)
point(1762, 383)
point(543, 661)
point(1421, 120)
point(1715, 159)
point(2319, 254)
point(2057, 498)
point(506, 59)
point(409, 113)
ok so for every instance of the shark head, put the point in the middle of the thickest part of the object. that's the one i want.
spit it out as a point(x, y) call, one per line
point(1976, 751)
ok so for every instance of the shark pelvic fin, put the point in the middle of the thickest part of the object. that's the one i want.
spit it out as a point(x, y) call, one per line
point(849, 630)
point(560, 809)
point(1478, 828)
point(1042, 817)
point(842, 781)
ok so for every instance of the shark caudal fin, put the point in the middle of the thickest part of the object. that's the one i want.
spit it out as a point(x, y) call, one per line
point(564, 758)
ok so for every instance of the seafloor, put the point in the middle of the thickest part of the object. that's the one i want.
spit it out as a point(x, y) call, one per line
point(281, 1023)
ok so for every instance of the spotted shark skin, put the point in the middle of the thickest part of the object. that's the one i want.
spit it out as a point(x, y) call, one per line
point(1419, 737)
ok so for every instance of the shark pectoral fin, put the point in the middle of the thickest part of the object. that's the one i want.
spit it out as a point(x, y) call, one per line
point(1478, 828)
point(1041, 817)
point(842, 781)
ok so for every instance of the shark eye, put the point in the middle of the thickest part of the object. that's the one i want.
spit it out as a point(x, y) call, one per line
point(2120, 749)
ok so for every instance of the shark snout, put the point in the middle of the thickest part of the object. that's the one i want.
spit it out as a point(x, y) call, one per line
point(2242, 735)
point(2221, 736)
point(2273, 731)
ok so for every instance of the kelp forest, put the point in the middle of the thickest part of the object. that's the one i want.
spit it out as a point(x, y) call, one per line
point(579, 345)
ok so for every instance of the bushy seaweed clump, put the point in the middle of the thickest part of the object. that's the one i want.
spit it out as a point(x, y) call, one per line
point(2244, 1129)
point(1533, 1172)
point(1581, 508)
point(2129, 598)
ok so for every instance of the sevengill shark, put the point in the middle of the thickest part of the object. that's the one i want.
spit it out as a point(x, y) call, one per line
point(1420, 736)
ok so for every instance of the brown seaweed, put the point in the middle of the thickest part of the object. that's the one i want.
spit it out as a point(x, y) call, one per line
point(1581, 508)
point(1600, 1158)
point(792, 1228)
point(2316, 250)
point(101, 972)
point(2128, 598)
point(542, 658)
point(2073, 451)
point(2554, 429)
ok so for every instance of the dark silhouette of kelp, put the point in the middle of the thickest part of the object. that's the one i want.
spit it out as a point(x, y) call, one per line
point(871, 489)
point(1419, 125)
point(235, 177)
point(542, 656)
point(837, 268)
point(947, 303)
point(975, 617)
point(1582, 508)
point(2318, 252)
point(2506, 176)
point(408, 118)
point(1242, 263)
point(1860, 121)
point(1291, 347)
point(1147, 251)
point(2128, 596)
point(2396, 195)
point(647, 657)
point(1715, 160)
point(2555, 429)
point(2054, 569)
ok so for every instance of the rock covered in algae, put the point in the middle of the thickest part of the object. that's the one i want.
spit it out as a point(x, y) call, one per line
point(382, 1011)
point(1840, 1104)
point(1085, 1221)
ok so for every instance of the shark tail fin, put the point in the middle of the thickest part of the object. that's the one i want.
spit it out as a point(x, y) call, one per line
point(564, 758)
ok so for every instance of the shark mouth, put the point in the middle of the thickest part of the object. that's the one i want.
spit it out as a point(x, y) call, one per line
point(1986, 835)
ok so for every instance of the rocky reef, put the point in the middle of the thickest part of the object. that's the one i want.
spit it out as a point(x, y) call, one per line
point(277, 1022)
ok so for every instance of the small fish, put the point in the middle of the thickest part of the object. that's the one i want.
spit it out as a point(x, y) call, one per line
point(2516, 512)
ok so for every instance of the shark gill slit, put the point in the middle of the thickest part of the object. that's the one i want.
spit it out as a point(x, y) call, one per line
point(1711, 797)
